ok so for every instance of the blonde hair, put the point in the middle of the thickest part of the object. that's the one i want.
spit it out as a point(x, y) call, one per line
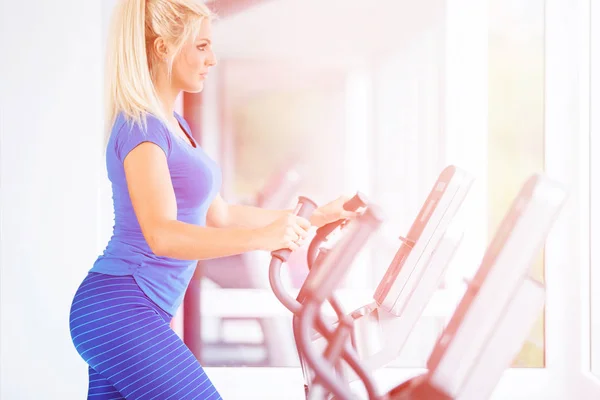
point(131, 59)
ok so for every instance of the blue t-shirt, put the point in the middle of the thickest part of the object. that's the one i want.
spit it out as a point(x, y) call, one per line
point(196, 179)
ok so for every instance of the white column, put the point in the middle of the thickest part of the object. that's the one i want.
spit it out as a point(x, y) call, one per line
point(466, 120)
point(359, 105)
point(357, 157)
point(595, 184)
point(408, 142)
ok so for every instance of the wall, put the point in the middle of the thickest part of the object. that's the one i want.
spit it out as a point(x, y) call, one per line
point(50, 168)
point(595, 185)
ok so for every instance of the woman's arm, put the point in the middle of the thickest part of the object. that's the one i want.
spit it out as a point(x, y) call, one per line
point(154, 203)
point(223, 215)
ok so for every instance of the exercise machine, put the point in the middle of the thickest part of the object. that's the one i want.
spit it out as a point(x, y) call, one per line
point(499, 307)
point(381, 328)
point(378, 333)
point(485, 332)
point(365, 224)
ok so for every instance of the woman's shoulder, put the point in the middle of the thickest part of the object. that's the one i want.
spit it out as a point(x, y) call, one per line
point(146, 124)
point(127, 133)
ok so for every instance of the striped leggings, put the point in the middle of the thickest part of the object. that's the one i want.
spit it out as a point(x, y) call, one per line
point(129, 346)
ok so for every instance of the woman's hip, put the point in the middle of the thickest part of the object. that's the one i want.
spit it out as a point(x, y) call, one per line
point(103, 300)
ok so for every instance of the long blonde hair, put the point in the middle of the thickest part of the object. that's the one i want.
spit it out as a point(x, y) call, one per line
point(130, 57)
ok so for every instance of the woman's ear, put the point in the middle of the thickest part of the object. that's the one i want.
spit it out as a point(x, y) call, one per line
point(161, 49)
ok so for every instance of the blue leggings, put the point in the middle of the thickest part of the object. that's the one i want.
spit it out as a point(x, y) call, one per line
point(129, 346)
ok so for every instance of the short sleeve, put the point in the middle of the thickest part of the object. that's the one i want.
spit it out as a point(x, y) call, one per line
point(132, 135)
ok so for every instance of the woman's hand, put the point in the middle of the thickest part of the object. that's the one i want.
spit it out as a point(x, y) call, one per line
point(287, 232)
point(331, 212)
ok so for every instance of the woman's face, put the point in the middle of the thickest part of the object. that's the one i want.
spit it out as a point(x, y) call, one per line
point(191, 65)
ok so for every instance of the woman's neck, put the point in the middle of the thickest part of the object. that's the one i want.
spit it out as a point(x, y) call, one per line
point(167, 96)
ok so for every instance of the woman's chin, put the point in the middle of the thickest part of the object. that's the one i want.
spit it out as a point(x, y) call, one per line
point(196, 88)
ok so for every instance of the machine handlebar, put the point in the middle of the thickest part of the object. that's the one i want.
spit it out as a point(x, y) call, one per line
point(304, 209)
point(359, 200)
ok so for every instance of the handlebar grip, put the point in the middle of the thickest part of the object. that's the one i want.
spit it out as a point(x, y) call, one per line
point(357, 201)
point(304, 209)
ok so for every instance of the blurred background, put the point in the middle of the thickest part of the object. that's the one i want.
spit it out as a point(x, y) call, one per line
point(355, 101)
point(316, 98)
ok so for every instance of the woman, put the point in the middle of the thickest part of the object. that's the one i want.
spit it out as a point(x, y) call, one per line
point(168, 212)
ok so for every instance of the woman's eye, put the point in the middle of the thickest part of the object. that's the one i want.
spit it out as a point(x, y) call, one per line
point(202, 47)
